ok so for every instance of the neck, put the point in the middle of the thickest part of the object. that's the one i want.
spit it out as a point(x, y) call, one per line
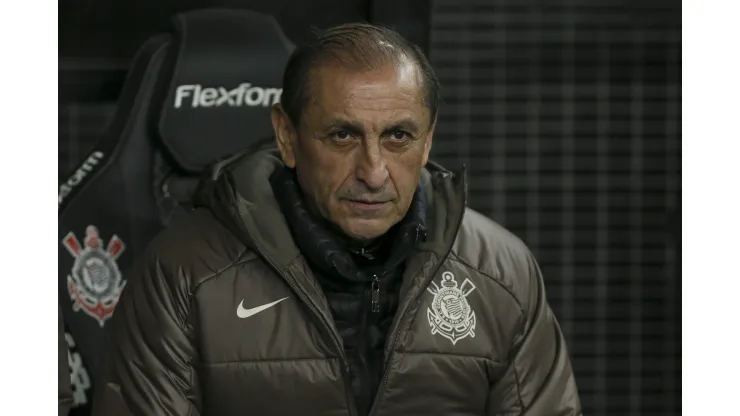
point(350, 242)
point(363, 250)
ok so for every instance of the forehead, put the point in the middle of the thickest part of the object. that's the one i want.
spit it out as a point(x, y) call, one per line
point(393, 88)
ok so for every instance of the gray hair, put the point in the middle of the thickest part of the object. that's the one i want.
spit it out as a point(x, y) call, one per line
point(359, 46)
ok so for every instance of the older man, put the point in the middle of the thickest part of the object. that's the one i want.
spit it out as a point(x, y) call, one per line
point(341, 273)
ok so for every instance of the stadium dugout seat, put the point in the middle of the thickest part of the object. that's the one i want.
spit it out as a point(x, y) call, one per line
point(192, 96)
point(64, 385)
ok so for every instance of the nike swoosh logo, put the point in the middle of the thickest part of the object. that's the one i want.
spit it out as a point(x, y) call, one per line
point(246, 313)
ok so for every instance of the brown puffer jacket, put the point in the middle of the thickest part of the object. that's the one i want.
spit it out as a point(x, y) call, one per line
point(226, 318)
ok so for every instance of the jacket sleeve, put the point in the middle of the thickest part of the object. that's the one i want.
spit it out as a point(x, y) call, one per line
point(65, 383)
point(149, 366)
point(539, 378)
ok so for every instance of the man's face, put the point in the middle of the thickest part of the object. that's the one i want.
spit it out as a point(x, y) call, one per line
point(361, 144)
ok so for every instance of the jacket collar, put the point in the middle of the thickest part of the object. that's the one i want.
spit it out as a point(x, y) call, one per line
point(238, 193)
point(326, 249)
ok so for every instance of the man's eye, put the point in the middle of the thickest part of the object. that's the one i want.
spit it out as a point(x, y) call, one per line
point(399, 135)
point(341, 135)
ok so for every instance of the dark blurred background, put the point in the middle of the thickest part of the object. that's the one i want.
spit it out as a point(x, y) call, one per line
point(567, 114)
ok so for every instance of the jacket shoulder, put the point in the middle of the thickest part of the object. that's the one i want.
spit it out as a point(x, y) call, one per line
point(195, 248)
point(490, 249)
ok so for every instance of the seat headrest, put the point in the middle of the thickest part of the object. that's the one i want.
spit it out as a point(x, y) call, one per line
point(227, 74)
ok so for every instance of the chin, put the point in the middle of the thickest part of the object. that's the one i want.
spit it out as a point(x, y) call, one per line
point(365, 230)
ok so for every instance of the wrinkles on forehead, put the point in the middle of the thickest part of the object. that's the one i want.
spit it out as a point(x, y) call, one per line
point(371, 97)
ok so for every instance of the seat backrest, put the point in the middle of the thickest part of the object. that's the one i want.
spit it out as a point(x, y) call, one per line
point(192, 96)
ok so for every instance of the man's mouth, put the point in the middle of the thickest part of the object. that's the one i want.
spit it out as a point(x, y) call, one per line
point(366, 205)
point(367, 202)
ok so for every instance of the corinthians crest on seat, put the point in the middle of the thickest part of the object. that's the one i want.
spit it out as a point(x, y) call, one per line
point(450, 314)
point(95, 283)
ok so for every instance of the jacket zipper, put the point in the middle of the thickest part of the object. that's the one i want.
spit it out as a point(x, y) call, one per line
point(363, 350)
point(375, 294)
point(366, 351)
point(403, 317)
point(394, 341)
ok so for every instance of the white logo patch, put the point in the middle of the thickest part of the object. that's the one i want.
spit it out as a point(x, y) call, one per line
point(450, 314)
point(246, 313)
point(94, 283)
point(245, 95)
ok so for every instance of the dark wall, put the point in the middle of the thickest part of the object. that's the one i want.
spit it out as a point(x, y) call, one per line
point(116, 28)
point(568, 115)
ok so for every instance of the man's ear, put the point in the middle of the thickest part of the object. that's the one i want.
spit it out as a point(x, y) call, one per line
point(285, 134)
point(428, 140)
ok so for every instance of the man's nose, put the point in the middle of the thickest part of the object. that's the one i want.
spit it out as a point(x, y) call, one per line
point(371, 166)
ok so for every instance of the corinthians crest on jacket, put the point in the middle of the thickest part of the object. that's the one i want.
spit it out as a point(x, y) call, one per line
point(95, 283)
point(450, 314)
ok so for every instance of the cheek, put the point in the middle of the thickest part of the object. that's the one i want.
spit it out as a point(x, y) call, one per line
point(324, 177)
point(326, 183)
point(405, 175)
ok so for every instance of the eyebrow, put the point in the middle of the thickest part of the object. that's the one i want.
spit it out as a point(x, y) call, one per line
point(339, 123)
point(406, 124)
